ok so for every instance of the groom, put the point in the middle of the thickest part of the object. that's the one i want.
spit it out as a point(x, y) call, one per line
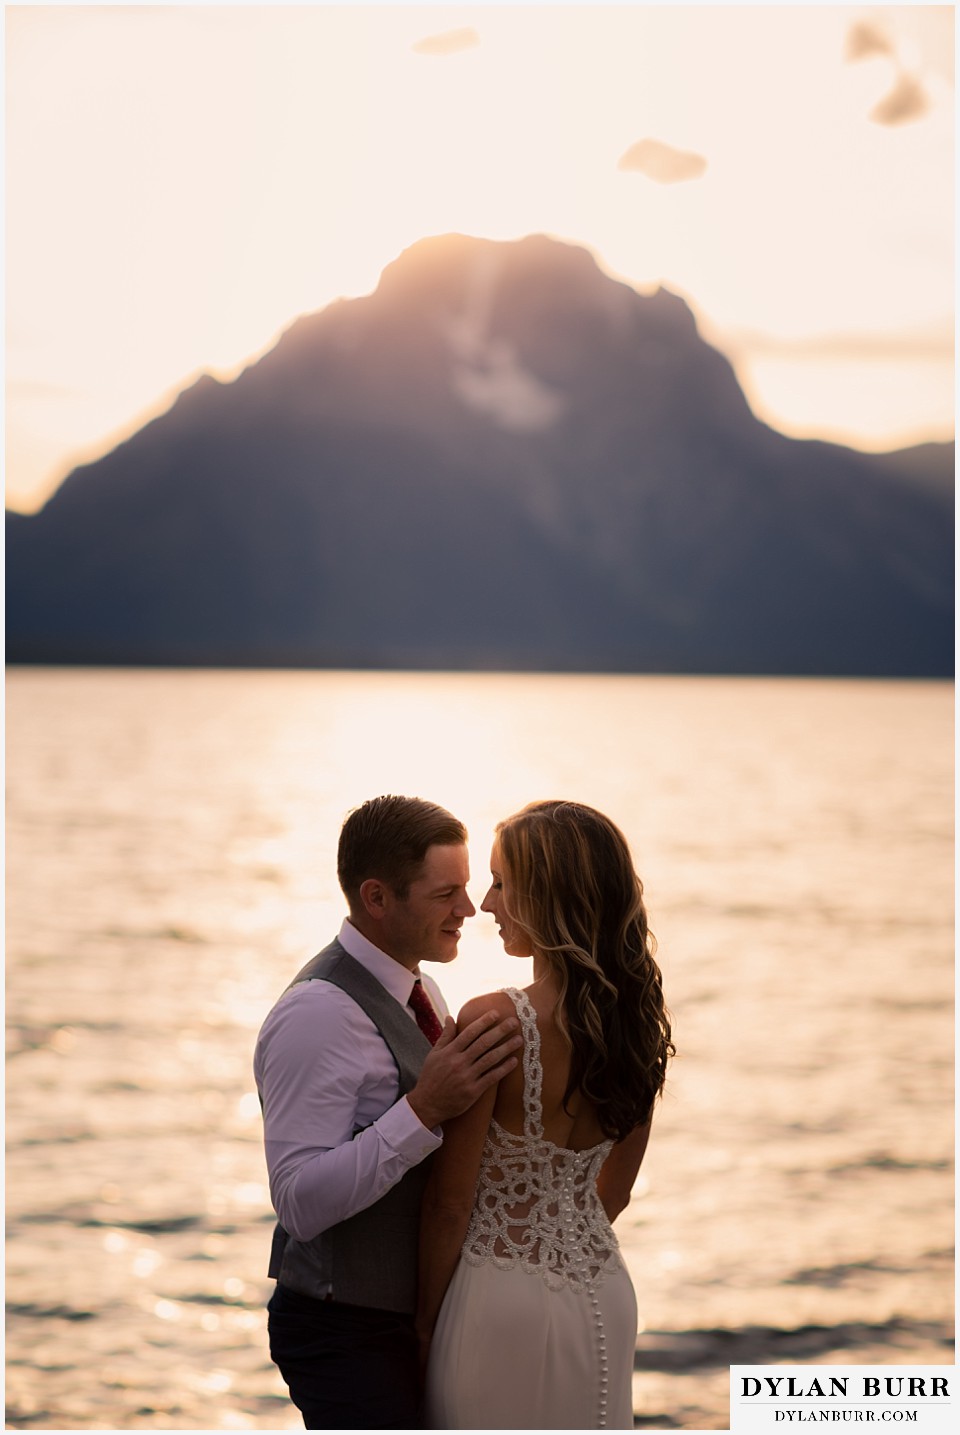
point(357, 1066)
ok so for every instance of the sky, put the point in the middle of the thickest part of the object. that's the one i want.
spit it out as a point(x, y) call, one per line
point(181, 182)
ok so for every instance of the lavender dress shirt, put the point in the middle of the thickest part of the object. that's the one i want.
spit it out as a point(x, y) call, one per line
point(323, 1070)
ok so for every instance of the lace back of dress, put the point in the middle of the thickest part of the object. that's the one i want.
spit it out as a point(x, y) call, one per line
point(536, 1202)
point(532, 1067)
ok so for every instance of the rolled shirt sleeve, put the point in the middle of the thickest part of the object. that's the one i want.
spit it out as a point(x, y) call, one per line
point(323, 1071)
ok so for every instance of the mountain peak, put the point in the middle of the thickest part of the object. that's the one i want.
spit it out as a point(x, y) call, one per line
point(502, 458)
point(435, 272)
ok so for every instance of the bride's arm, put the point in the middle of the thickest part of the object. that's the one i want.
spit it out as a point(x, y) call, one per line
point(619, 1171)
point(448, 1200)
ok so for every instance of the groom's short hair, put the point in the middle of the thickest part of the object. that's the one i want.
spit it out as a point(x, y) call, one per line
point(388, 838)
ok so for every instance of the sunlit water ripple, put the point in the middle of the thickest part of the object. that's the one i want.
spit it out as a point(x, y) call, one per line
point(170, 863)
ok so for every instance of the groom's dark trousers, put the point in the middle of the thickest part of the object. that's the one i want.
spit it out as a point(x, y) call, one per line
point(348, 1367)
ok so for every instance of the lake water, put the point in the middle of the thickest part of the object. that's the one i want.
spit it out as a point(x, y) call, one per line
point(171, 848)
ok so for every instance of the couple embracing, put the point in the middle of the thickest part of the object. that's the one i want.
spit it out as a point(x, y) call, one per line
point(444, 1255)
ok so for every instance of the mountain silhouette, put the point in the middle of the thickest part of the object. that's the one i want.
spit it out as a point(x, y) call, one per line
point(501, 459)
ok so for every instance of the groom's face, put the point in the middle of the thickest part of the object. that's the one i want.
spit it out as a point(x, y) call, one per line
point(425, 925)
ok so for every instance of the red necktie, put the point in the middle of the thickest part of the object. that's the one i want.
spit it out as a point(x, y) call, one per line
point(427, 1019)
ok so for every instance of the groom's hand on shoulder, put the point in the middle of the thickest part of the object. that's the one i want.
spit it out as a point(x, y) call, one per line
point(465, 1063)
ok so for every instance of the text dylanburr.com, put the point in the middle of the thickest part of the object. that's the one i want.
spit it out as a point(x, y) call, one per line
point(798, 1397)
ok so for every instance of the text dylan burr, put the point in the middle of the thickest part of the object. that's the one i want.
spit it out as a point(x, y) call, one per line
point(890, 1387)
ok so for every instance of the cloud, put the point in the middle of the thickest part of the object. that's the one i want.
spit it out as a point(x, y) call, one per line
point(44, 389)
point(907, 101)
point(662, 162)
point(450, 42)
point(932, 343)
point(864, 40)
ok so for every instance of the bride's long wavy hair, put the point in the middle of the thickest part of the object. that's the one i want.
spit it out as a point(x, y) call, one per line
point(572, 888)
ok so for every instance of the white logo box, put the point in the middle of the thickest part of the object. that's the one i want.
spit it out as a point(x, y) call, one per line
point(767, 1398)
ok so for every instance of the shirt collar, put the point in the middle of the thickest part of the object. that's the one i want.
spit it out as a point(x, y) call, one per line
point(389, 973)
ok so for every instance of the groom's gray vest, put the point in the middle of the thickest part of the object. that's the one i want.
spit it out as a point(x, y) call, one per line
point(371, 1258)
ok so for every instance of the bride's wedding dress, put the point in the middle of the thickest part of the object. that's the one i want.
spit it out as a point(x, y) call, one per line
point(538, 1326)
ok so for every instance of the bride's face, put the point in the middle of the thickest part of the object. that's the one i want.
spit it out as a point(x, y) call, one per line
point(516, 943)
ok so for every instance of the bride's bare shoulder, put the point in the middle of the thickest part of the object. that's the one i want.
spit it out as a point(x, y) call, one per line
point(480, 1006)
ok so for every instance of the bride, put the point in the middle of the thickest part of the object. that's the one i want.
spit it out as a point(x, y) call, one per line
point(527, 1318)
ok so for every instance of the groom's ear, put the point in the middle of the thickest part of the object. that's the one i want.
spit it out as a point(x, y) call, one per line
point(374, 897)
